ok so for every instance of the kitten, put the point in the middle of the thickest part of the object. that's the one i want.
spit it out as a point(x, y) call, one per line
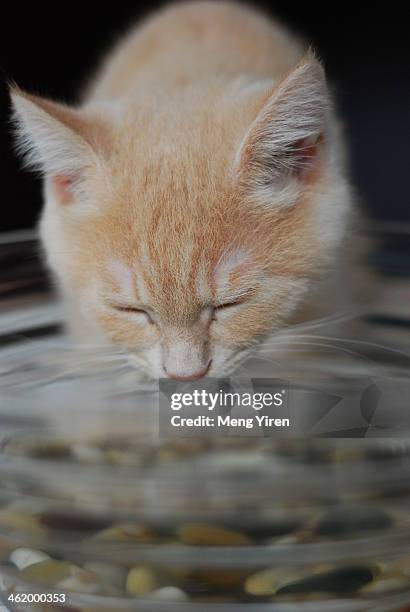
point(196, 197)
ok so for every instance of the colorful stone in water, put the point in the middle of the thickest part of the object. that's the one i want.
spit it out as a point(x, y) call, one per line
point(24, 557)
point(203, 534)
point(141, 580)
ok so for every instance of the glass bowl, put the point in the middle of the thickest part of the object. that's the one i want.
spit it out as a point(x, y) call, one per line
point(98, 512)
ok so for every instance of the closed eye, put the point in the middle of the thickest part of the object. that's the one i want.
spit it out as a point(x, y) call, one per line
point(129, 308)
point(228, 305)
point(225, 306)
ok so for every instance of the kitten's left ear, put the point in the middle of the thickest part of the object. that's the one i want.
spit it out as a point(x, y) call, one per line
point(57, 140)
point(284, 140)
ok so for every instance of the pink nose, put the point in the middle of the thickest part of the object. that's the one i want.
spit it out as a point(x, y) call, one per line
point(193, 376)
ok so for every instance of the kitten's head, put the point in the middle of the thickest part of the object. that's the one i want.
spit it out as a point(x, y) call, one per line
point(186, 228)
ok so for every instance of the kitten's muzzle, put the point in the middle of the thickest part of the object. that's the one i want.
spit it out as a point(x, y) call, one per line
point(193, 376)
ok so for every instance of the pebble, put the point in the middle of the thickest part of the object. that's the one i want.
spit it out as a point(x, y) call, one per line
point(339, 581)
point(203, 534)
point(88, 454)
point(177, 451)
point(48, 572)
point(117, 456)
point(384, 585)
point(274, 528)
point(71, 521)
point(108, 572)
point(82, 581)
point(266, 582)
point(169, 593)
point(49, 450)
point(6, 583)
point(24, 557)
point(141, 580)
point(19, 519)
point(346, 521)
point(127, 532)
point(288, 540)
point(226, 579)
point(400, 566)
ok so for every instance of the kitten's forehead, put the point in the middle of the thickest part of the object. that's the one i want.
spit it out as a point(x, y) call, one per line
point(204, 282)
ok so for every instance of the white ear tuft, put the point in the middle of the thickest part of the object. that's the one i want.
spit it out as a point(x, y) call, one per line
point(50, 136)
point(285, 137)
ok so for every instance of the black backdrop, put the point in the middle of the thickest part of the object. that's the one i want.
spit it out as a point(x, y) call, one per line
point(51, 48)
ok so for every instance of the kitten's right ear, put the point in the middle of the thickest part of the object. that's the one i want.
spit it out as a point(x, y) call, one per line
point(56, 140)
point(286, 138)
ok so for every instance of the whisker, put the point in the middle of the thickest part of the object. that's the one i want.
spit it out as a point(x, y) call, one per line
point(325, 345)
point(363, 343)
point(364, 358)
point(321, 322)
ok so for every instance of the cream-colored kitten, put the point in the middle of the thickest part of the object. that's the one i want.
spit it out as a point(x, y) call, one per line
point(196, 197)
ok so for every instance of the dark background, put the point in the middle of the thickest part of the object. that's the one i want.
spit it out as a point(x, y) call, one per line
point(51, 49)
